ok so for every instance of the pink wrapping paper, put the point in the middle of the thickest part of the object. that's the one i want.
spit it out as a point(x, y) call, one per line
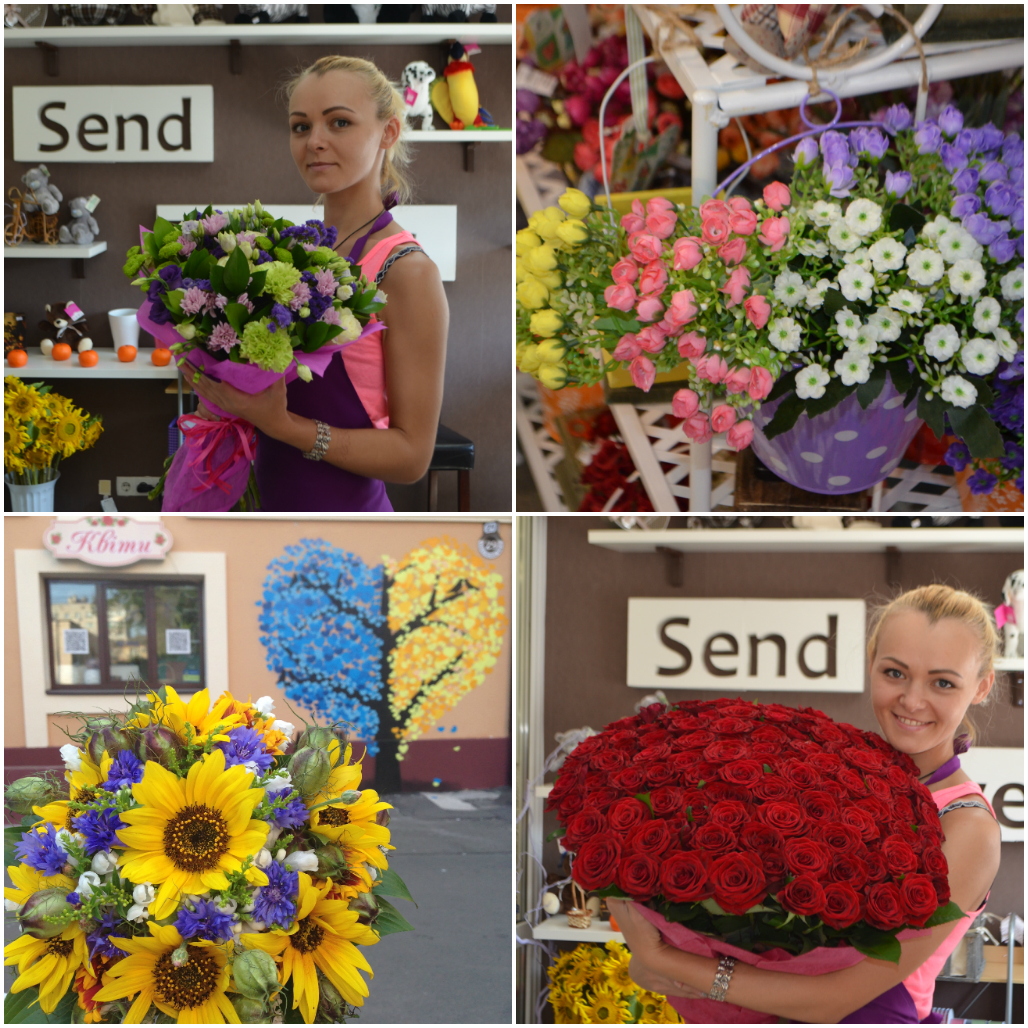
point(708, 1011)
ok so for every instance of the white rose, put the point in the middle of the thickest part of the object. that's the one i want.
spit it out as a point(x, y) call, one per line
point(958, 391)
point(301, 860)
point(811, 382)
point(71, 757)
point(344, 292)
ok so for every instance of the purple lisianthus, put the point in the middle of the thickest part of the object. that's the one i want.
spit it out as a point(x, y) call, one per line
point(964, 204)
point(126, 771)
point(169, 277)
point(952, 158)
point(898, 117)
point(994, 171)
point(42, 851)
point(274, 903)
point(1000, 197)
point(205, 921)
point(958, 456)
point(869, 141)
point(951, 121)
point(245, 746)
point(982, 482)
point(805, 152)
point(968, 141)
point(1002, 250)
point(100, 829)
point(839, 179)
point(835, 149)
point(897, 183)
point(992, 137)
point(965, 181)
point(928, 137)
point(282, 315)
point(99, 942)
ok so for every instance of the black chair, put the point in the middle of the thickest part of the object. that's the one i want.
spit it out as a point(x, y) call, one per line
point(452, 453)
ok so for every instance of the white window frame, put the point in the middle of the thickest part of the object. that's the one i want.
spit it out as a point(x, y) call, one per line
point(30, 569)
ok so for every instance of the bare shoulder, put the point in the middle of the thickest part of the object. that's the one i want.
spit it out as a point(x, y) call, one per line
point(414, 276)
point(972, 849)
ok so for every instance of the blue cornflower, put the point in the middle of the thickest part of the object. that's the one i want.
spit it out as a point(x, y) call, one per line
point(42, 851)
point(274, 903)
point(293, 815)
point(73, 898)
point(99, 939)
point(126, 770)
point(206, 921)
point(99, 828)
point(245, 745)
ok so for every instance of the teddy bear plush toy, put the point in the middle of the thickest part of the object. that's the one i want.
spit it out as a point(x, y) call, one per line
point(64, 323)
point(48, 197)
point(414, 85)
point(83, 229)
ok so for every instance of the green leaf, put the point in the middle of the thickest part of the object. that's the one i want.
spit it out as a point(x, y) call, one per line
point(834, 302)
point(237, 315)
point(217, 277)
point(977, 429)
point(785, 417)
point(714, 907)
point(316, 336)
point(903, 217)
point(237, 272)
point(196, 265)
point(557, 833)
point(173, 300)
point(932, 412)
point(390, 920)
point(783, 384)
point(617, 325)
point(767, 769)
point(391, 884)
point(161, 227)
point(611, 891)
point(256, 286)
point(23, 1008)
point(151, 246)
point(644, 797)
point(835, 392)
point(867, 392)
point(301, 258)
point(886, 948)
point(12, 836)
point(950, 912)
point(903, 377)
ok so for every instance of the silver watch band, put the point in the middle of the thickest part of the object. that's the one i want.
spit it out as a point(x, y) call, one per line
point(723, 976)
point(320, 447)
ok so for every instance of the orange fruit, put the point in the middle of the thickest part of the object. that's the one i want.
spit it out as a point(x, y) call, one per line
point(61, 352)
point(89, 358)
point(126, 354)
point(161, 356)
point(17, 358)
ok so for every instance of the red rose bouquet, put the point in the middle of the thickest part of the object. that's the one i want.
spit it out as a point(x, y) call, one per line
point(766, 833)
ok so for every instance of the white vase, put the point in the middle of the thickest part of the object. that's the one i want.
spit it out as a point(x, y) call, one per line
point(38, 497)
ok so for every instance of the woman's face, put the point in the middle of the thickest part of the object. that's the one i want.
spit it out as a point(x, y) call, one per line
point(923, 678)
point(335, 135)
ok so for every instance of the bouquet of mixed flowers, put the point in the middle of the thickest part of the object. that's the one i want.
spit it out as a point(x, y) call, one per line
point(247, 299)
point(189, 870)
point(769, 834)
point(41, 427)
point(592, 985)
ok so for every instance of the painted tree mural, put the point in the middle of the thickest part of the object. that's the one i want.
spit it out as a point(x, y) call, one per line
point(388, 649)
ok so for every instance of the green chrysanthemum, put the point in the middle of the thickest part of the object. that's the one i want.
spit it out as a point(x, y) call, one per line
point(269, 350)
point(280, 280)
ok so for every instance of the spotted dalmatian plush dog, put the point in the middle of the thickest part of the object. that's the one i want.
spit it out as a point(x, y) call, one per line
point(414, 85)
point(1013, 623)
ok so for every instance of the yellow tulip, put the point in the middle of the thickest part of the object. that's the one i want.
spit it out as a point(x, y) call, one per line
point(530, 358)
point(524, 241)
point(519, 270)
point(546, 323)
point(573, 232)
point(551, 279)
point(551, 351)
point(542, 258)
point(576, 203)
point(532, 294)
point(553, 376)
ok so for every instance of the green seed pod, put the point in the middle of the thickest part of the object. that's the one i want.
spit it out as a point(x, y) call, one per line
point(255, 974)
point(250, 1011)
point(382, 818)
point(47, 903)
point(316, 735)
point(332, 1008)
point(110, 737)
point(26, 793)
point(309, 770)
point(158, 743)
point(331, 860)
point(365, 905)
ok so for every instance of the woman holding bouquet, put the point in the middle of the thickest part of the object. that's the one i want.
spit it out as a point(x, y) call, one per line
point(930, 655)
point(330, 444)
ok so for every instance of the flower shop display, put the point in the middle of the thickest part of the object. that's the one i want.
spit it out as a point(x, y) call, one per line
point(41, 428)
point(188, 869)
point(246, 299)
point(769, 834)
point(591, 984)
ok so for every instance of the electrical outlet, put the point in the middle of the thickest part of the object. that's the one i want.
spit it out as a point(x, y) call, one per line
point(105, 487)
point(136, 486)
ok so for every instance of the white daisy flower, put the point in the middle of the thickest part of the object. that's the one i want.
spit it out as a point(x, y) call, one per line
point(866, 341)
point(925, 267)
point(956, 244)
point(811, 382)
point(853, 367)
point(789, 288)
point(812, 247)
point(864, 217)
point(784, 334)
point(824, 213)
point(1005, 344)
point(861, 256)
point(986, 314)
point(1012, 284)
point(816, 294)
point(887, 324)
point(847, 323)
point(966, 278)
point(958, 391)
point(887, 254)
point(941, 342)
point(980, 356)
point(906, 301)
point(842, 237)
point(856, 283)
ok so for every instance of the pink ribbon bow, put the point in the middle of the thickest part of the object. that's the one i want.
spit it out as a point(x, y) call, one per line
point(1005, 613)
point(208, 435)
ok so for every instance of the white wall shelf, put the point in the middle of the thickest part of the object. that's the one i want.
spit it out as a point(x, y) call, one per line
point(108, 366)
point(36, 250)
point(557, 929)
point(1009, 664)
point(784, 540)
point(461, 136)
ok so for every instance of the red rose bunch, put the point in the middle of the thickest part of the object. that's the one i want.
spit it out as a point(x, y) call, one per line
point(715, 809)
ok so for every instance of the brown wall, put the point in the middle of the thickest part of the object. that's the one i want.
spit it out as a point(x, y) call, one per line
point(587, 591)
point(252, 161)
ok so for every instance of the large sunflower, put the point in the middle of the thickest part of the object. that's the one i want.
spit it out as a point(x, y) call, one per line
point(606, 1007)
point(203, 722)
point(190, 831)
point(28, 881)
point(323, 936)
point(20, 400)
point(193, 993)
point(68, 432)
point(49, 963)
point(83, 787)
point(351, 822)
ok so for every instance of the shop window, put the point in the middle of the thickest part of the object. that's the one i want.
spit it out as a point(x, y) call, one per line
point(108, 632)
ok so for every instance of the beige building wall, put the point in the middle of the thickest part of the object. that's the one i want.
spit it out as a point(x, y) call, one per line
point(250, 544)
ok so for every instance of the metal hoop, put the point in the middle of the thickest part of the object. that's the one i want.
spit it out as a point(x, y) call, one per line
point(603, 110)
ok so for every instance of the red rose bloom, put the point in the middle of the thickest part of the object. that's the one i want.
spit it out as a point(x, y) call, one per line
point(806, 856)
point(717, 791)
point(897, 778)
point(803, 896)
point(652, 837)
point(637, 875)
point(876, 869)
point(684, 763)
point(785, 817)
point(724, 750)
point(934, 861)
point(667, 800)
point(773, 863)
point(738, 881)
point(852, 781)
point(756, 835)
point(828, 764)
point(884, 908)
point(799, 774)
point(582, 827)
point(846, 868)
point(630, 779)
point(818, 805)
point(743, 772)
point(623, 740)
point(713, 838)
point(900, 859)
point(879, 788)
point(919, 900)
point(601, 799)
point(659, 774)
point(683, 878)
point(626, 814)
point(842, 905)
point(729, 814)
point(698, 739)
point(569, 805)
point(596, 862)
point(941, 890)
point(731, 726)
point(768, 733)
point(864, 823)
point(865, 760)
point(772, 787)
point(838, 837)
point(607, 760)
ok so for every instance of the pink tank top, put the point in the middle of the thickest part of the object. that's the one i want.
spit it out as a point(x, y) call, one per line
point(365, 360)
point(921, 984)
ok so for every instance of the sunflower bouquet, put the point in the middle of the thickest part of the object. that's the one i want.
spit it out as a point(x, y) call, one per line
point(591, 985)
point(191, 870)
point(41, 427)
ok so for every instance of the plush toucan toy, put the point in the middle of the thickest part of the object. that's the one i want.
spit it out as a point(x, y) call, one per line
point(455, 95)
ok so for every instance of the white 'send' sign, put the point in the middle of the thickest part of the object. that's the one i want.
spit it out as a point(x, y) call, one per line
point(113, 124)
point(759, 645)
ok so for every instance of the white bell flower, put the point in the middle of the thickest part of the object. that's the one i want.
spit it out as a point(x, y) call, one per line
point(301, 860)
point(265, 704)
point(71, 757)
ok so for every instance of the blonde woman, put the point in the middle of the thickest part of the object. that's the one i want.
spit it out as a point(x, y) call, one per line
point(331, 444)
point(931, 658)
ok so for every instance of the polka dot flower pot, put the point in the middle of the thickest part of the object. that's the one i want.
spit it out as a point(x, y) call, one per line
point(843, 450)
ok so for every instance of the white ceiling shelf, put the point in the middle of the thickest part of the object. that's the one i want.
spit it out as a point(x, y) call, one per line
point(108, 366)
point(36, 250)
point(261, 35)
point(784, 540)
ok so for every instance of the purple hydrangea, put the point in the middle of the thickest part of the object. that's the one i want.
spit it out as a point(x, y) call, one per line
point(897, 183)
point(958, 456)
point(99, 942)
point(42, 851)
point(951, 121)
point(869, 141)
point(898, 117)
point(982, 482)
point(928, 137)
point(806, 151)
point(274, 903)
point(100, 829)
point(292, 815)
point(246, 745)
point(205, 921)
point(126, 771)
point(965, 181)
point(964, 204)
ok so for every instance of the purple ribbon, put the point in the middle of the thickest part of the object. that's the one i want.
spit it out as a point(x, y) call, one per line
point(951, 765)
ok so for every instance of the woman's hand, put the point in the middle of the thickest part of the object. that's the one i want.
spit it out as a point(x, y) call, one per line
point(265, 410)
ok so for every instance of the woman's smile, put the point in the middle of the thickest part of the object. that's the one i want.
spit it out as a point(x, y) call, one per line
point(910, 724)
